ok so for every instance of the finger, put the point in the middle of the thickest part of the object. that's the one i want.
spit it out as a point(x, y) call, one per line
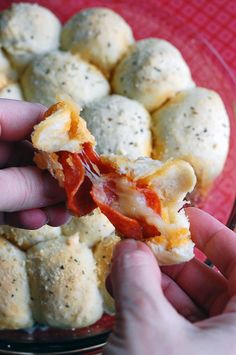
point(16, 154)
point(29, 219)
point(136, 285)
point(214, 239)
point(206, 287)
point(6, 150)
point(183, 304)
point(57, 215)
point(22, 154)
point(17, 118)
point(27, 188)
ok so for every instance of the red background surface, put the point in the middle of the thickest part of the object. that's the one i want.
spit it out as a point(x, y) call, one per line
point(214, 19)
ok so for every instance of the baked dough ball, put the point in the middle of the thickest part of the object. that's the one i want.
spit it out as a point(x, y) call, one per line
point(25, 238)
point(11, 91)
point(63, 282)
point(7, 73)
point(151, 72)
point(171, 181)
point(120, 126)
point(15, 310)
point(60, 73)
point(27, 30)
point(103, 254)
point(194, 126)
point(100, 35)
point(91, 228)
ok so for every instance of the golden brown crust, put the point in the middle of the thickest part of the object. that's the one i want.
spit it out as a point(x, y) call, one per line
point(103, 253)
point(25, 239)
point(91, 228)
point(62, 129)
point(15, 312)
point(63, 283)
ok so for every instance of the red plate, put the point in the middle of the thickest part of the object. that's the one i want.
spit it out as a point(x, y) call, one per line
point(208, 70)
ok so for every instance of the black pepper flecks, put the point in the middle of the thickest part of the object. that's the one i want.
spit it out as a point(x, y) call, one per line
point(194, 112)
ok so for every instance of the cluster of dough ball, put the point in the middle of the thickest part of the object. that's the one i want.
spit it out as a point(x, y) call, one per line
point(126, 88)
point(138, 99)
point(56, 276)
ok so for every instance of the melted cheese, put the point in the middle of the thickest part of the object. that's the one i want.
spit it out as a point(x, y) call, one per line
point(132, 203)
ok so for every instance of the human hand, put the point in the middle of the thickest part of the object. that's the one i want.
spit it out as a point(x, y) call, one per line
point(29, 197)
point(184, 309)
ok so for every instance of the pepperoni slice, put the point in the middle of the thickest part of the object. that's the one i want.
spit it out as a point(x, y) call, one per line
point(90, 183)
point(76, 184)
point(104, 195)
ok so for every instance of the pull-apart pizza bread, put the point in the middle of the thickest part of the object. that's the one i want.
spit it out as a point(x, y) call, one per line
point(143, 198)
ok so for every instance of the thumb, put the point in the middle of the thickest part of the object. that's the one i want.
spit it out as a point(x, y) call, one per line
point(143, 315)
point(136, 285)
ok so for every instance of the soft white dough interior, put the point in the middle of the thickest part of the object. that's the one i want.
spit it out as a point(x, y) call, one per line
point(53, 135)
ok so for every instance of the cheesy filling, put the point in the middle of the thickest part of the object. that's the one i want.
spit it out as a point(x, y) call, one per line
point(132, 203)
